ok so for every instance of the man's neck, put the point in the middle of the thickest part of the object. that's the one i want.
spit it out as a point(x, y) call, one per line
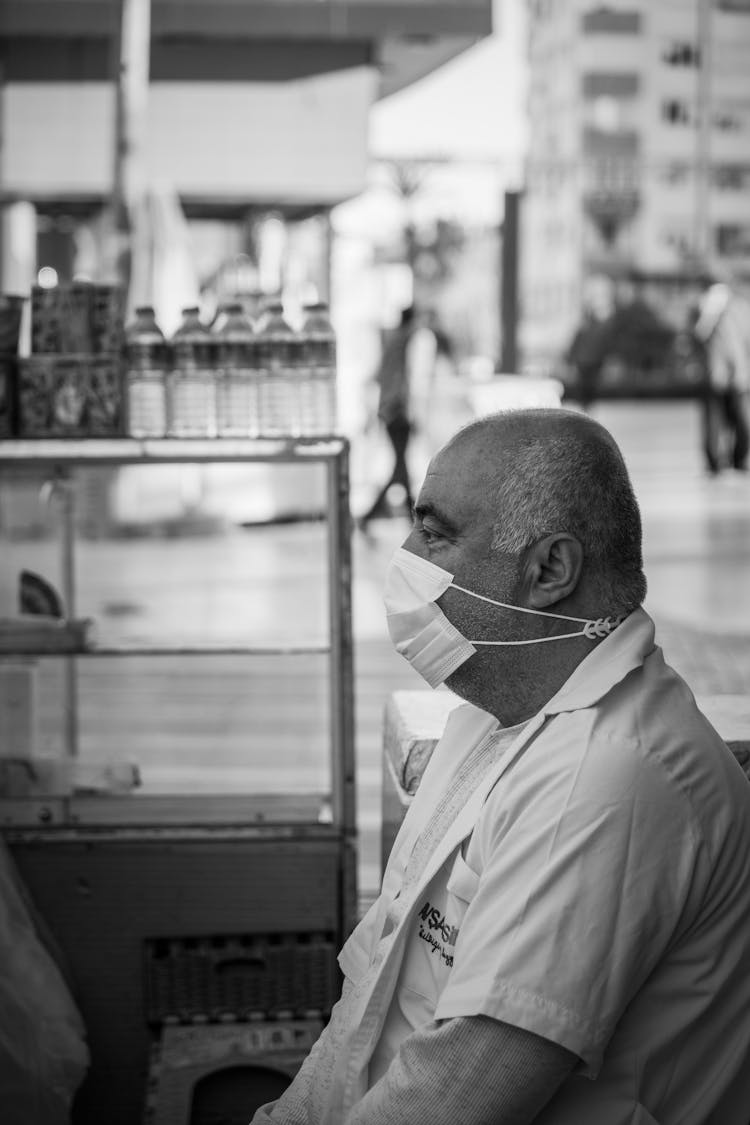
point(514, 692)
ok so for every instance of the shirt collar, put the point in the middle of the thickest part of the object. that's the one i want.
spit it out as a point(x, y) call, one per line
point(622, 651)
point(618, 654)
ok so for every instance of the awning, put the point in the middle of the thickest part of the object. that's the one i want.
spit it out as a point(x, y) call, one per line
point(294, 143)
point(251, 102)
point(406, 39)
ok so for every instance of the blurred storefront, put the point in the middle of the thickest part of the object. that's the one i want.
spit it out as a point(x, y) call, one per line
point(255, 128)
point(252, 107)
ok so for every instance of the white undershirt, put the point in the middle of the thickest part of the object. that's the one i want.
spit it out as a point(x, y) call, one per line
point(464, 782)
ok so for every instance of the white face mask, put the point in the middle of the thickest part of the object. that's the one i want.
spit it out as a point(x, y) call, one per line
point(422, 633)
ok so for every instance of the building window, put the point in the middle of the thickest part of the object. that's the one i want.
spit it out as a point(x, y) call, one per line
point(728, 121)
point(605, 20)
point(612, 175)
point(678, 239)
point(598, 144)
point(610, 84)
point(733, 240)
point(675, 112)
point(681, 53)
point(731, 177)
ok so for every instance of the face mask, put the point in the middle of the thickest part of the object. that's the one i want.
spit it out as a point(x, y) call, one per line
point(422, 633)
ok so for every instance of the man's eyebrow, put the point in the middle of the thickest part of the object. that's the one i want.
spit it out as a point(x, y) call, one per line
point(429, 509)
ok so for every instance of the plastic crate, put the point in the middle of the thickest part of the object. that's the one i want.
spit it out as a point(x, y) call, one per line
point(70, 396)
point(230, 977)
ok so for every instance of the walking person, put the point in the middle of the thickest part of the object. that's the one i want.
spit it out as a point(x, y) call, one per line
point(723, 330)
point(563, 930)
point(585, 356)
point(395, 411)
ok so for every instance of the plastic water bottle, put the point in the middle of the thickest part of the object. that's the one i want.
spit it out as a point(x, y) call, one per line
point(318, 407)
point(277, 346)
point(146, 374)
point(193, 379)
point(237, 376)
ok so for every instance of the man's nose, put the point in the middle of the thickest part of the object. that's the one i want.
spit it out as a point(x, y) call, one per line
point(411, 543)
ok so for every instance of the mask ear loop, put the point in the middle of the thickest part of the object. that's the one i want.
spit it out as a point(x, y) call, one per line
point(539, 640)
point(592, 629)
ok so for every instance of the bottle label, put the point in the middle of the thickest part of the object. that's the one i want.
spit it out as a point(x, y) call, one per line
point(190, 355)
point(236, 353)
point(318, 351)
point(277, 354)
point(146, 356)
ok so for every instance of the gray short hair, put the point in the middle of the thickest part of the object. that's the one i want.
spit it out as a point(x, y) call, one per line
point(572, 478)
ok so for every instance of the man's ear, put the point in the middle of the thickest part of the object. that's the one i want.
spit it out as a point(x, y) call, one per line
point(553, 569)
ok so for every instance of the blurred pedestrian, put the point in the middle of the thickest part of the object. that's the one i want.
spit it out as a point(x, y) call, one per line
point(395, 411)
point(586, 354)
point(691, 354)
point(723, 329)
point(636, 342)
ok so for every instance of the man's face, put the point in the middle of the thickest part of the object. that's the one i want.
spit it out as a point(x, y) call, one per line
point(453, 528)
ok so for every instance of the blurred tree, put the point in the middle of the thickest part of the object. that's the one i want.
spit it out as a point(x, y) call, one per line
point(407, 179)
point(430, 249)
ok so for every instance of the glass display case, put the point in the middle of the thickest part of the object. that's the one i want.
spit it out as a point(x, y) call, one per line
point(178, 784)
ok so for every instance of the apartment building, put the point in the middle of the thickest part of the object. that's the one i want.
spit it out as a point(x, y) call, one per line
point(639, 157)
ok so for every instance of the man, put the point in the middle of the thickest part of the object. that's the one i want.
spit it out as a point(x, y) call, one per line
point(395, 410)
point(586, 354)
point(563, 933)
point(723, 330)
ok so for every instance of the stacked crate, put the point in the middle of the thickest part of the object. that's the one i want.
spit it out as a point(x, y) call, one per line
point(71, 384)
point(11, 308)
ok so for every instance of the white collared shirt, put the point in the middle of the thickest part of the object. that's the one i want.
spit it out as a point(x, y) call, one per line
point(606, 888)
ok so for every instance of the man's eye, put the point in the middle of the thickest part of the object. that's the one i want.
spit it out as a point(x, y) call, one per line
point(430, 534)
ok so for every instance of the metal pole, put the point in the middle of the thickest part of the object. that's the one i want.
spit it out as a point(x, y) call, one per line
point(3, 279)
point(509, 285)
point(64, 489)
point(131, 101)
point(344, 797)
point(702, 170)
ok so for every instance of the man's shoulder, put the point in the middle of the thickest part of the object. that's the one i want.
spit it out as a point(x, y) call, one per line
point(634, 757)
point(647, 724)
point(649, 733)
point(653, 707)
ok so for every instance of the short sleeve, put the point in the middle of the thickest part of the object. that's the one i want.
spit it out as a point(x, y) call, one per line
point(584, 866)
